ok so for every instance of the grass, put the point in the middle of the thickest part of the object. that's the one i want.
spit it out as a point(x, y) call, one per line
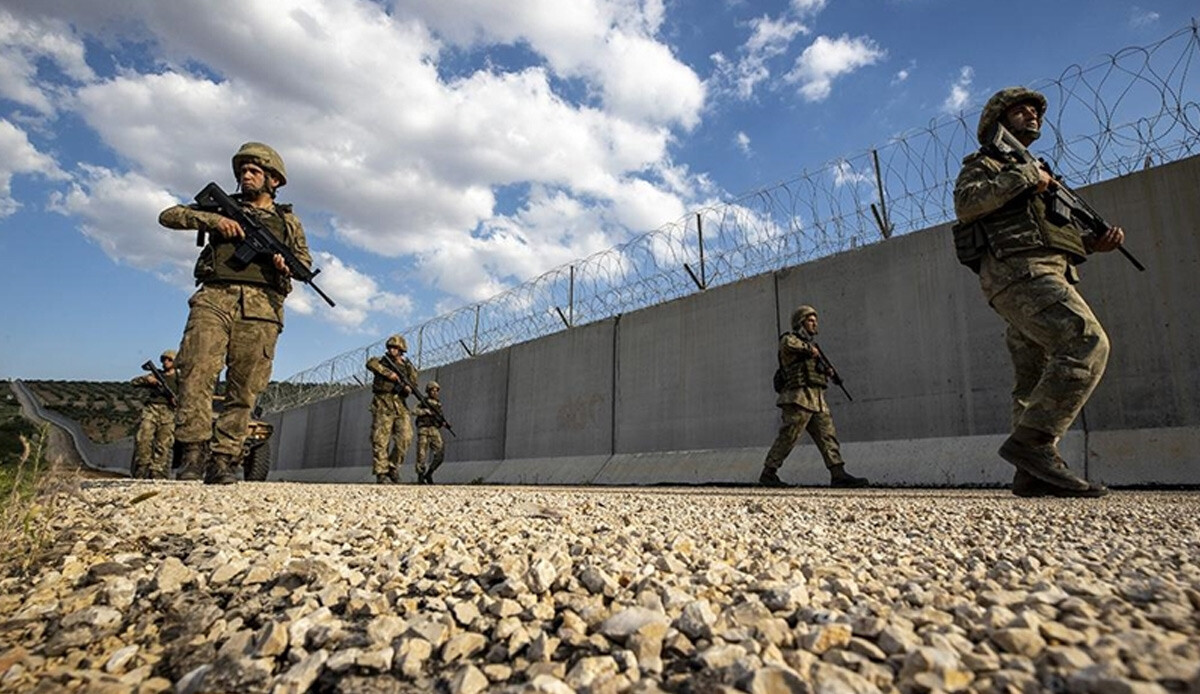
point(31, 488)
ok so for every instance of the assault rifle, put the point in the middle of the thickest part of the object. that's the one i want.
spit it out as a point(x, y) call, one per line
point(162, 382)
point(259, 241)
point(412, 387)
point(1063, 205)
point(833, 374)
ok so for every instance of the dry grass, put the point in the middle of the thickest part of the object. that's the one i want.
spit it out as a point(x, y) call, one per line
point(32, 493)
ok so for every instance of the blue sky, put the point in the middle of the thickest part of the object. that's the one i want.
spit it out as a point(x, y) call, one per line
point(440, 151)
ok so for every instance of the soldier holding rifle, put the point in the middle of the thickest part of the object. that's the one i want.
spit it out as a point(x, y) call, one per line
point(1025, 249)
point(155, 435)
point(391, 430)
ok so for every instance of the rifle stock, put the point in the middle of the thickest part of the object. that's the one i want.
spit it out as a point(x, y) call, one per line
point(259, 241)
point(1062, 202)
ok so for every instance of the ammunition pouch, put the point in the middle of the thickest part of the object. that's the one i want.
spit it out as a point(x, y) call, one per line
point(970, 244)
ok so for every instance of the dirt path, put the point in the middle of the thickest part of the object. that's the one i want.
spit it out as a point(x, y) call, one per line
point(60, 448)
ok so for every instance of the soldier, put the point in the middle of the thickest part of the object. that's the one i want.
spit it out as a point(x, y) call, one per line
point(430, 420)
point(1058, 348)
point(235, 318)
point(389, 410)
point(155, 436)
point(802, 403)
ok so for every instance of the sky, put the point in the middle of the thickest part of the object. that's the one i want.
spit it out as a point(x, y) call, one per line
point(441, 151)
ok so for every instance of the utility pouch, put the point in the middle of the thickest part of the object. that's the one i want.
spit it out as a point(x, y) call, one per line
point(970, 244)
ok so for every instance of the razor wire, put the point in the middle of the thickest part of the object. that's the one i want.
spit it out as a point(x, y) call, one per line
point(1139, 104)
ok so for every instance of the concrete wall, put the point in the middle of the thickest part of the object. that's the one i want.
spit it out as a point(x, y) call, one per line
point(681, 393)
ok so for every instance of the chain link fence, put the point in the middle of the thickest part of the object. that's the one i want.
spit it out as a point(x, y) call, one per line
point(1139, 104)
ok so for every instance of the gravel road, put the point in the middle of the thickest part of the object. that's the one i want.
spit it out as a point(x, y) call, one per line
point(154, 587)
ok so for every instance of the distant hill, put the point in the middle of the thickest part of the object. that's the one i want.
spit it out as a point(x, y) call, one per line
point(107, 411)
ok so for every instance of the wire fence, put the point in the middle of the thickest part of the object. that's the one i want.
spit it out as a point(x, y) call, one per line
point(1139, 104)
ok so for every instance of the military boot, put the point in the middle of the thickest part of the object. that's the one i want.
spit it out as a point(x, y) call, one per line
point(1027, 486)
point(382, 478)
point(221, 469)
point(838, 477)
point(1041, 461)
point(393, 475)
point(770, 478)
point(193, 458)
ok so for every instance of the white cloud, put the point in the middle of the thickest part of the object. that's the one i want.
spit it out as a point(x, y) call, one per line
point(1139, 17)
point(959, 97)
point(23, 42)
point(826, 59)
point(742, 141)
point(383, 149)
point(808, 7)
point(844, 174)
point(19, 156)
point(770, 39)
point(356, 293)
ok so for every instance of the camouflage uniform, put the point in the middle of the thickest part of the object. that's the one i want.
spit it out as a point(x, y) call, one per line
point(429, 434)
point(234, 320)
point(1058, 348)
point(802, 400)
point(389, 419)
point(1028, 274)
point(155, 436)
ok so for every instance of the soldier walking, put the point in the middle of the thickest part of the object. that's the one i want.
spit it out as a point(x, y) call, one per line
point(155, 436)
point(235, 317)
point(802, 405)
point(391, 430)
point(1028, 274)
point(430, 421)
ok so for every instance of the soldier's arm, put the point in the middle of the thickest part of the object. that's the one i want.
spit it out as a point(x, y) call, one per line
point(375, 366)
point(185, 217)
point(142, 381)
point(297, 240)
point(792, 344)
point(981, 189)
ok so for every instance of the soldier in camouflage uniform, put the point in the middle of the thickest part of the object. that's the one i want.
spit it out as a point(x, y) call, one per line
point(155, 436)
point(430, 420)
point(389, 411)
point(1028, 274)
point(235, 318)
point(802, 404)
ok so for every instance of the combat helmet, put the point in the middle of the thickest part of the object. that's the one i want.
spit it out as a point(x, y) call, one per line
point(1000, 102)
point(431, 385)
point(262, 155)
point(802, 311)
point(167, 354)
point(398, 341)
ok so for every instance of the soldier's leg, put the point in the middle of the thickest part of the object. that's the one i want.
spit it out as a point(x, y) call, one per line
point(164, 442)
point(1076, 353)
point(201, 358)
point(251, 355)
point(143, 443)
point(824, 435)
point(1029, 362)
point(403, 433)
point(422, 451)
point(381, 435)
point(438, 445)
point(793, 420)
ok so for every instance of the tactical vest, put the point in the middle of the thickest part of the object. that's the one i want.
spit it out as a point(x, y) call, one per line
point(430, 420)
point(804, 372)
point(216, 263)
point(1022, 225)
point(157, 396)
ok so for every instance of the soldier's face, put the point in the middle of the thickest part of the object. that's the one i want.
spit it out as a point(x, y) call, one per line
point(1022, 117)
point(167, 363)
point(255, 179)
point(810, 324)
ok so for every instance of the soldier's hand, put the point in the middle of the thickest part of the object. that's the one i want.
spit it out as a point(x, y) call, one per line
point(151, 379)
point(393, 377)
point(1045, 180)
point(230, 229)
point(816, 351)
point(281, 265)
point(1112, 238)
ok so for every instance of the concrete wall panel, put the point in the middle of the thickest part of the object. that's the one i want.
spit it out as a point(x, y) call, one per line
point(560, 394)
point(475, 400)
point(321, 432)
point(695, 373)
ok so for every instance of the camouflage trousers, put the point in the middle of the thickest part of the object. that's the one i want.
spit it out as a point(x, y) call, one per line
point(219, 334)
point(153, 442)
point(1058, 349)
point(390, 423)
point(429, 440)
point(819, 426)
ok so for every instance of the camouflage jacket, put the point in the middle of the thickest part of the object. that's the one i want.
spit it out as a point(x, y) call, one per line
point(430, 416)
point(382, 385)
point(214, 266)
point(157, 396)
point(804, 379)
